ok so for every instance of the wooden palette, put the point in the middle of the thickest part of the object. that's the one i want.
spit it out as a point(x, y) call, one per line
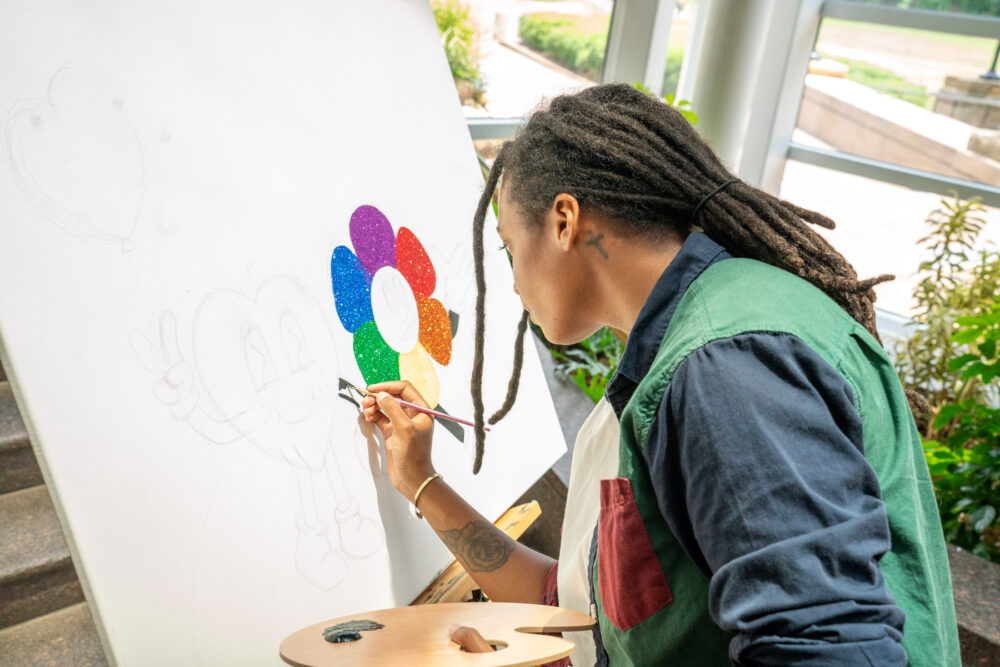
point(418, 635)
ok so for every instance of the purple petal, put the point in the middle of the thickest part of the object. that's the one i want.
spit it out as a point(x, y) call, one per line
point(373, 239)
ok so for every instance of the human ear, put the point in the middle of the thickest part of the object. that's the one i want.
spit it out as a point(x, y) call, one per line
point(566, 211)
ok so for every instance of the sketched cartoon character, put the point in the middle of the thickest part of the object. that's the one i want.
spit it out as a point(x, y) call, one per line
point(265, 370)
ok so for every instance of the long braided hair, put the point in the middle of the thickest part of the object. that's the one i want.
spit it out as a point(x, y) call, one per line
point(640, 164)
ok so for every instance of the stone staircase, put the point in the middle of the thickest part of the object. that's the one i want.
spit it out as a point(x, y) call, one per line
point(44, 619)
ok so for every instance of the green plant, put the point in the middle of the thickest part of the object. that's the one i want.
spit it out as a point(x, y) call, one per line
point(582, 50)
point(959, 279)
point(675, 103)
point(965, 465)
point(459, 37)
point(672, 70)
point(590, 363)
point(579, 51)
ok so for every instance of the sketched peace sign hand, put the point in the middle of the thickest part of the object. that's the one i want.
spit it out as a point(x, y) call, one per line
point(175, 386)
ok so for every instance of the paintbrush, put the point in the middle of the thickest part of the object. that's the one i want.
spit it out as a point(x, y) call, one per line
point(420, 408)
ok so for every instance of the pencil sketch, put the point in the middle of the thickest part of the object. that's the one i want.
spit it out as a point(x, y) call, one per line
point(457, 290)
point(264, 370)
point(76, 157)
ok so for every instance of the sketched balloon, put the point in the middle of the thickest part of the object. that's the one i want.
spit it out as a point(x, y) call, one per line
point(75, 156)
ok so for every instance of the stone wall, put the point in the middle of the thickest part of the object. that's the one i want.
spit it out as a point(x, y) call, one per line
point(982, 112)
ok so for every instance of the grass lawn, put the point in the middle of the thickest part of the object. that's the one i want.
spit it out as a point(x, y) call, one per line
point(887, 82)
point(921, 57)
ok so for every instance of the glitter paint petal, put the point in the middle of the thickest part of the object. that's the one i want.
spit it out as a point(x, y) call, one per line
point(378, 362)
point(416, 367)
point(372, 237)
point(351, 289)
point(412, 261)
point(435, 329)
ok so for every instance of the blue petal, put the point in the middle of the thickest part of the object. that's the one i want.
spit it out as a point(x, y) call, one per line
point(351, 289)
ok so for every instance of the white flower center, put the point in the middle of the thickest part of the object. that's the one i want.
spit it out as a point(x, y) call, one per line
point(395, 309)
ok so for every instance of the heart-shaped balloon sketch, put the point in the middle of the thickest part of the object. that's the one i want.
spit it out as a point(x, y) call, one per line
point(75, 156)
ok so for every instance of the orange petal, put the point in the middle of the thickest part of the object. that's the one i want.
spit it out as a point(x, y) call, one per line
point(435, 329)
point(416, 367)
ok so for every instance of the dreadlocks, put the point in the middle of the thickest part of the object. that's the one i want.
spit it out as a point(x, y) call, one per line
point(638, 163)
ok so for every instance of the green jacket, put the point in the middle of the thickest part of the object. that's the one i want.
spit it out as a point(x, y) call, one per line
point(729, 298)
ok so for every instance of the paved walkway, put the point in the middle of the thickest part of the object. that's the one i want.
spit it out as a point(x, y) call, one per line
point(515, 84)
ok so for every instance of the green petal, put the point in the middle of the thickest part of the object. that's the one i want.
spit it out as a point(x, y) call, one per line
point(378, 362)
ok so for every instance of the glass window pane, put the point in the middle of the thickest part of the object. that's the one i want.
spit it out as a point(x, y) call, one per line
point(878, 225)
point(904, 96)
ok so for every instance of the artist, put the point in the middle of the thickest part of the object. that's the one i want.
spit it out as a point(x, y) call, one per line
point(767, 501)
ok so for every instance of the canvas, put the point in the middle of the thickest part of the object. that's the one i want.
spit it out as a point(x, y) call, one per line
point(213, 215)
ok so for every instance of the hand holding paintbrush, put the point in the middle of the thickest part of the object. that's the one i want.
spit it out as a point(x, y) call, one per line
point(419, 408)
point(399, 411)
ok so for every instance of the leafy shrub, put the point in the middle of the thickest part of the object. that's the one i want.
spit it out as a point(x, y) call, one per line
point(965, 465)
point(951, 358)
point(582, 51)
point(672, 71)
point(959, 279)
point(579, 51)
point(460, 38)
point(590, 363)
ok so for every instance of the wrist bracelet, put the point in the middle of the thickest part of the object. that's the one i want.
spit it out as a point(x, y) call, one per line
point(420, 490)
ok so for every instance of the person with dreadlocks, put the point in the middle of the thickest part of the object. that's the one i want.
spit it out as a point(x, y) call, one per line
point(768, 502)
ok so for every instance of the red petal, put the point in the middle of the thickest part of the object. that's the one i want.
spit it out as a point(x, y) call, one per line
point(435, 330)
point(412, 261)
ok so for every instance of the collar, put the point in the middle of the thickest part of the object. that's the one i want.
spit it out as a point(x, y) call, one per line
point(696, 254)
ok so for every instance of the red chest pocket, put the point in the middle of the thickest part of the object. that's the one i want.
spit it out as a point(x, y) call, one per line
point(629, 575)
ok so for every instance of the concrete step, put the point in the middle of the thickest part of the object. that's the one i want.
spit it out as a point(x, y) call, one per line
point(977, 605)
point(36, 572)
point(18, 467)
point(64, 637)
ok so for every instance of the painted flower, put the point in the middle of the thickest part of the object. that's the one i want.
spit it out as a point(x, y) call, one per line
point(383, 290)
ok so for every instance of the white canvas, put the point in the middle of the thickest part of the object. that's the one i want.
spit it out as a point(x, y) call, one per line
point(177, 175)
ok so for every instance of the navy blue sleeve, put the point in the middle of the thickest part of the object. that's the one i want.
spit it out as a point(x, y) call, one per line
point(757, 456)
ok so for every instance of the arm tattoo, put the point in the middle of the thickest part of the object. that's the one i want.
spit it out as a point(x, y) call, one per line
point(595, 240)
point(480, 545)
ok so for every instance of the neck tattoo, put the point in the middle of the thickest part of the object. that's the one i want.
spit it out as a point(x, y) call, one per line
point(595, 240)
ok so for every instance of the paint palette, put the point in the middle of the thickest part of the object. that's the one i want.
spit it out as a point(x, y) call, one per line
point(415, 636)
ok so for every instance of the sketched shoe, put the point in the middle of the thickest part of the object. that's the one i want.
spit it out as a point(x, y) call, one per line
point(359, 536)
point(317, 561)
